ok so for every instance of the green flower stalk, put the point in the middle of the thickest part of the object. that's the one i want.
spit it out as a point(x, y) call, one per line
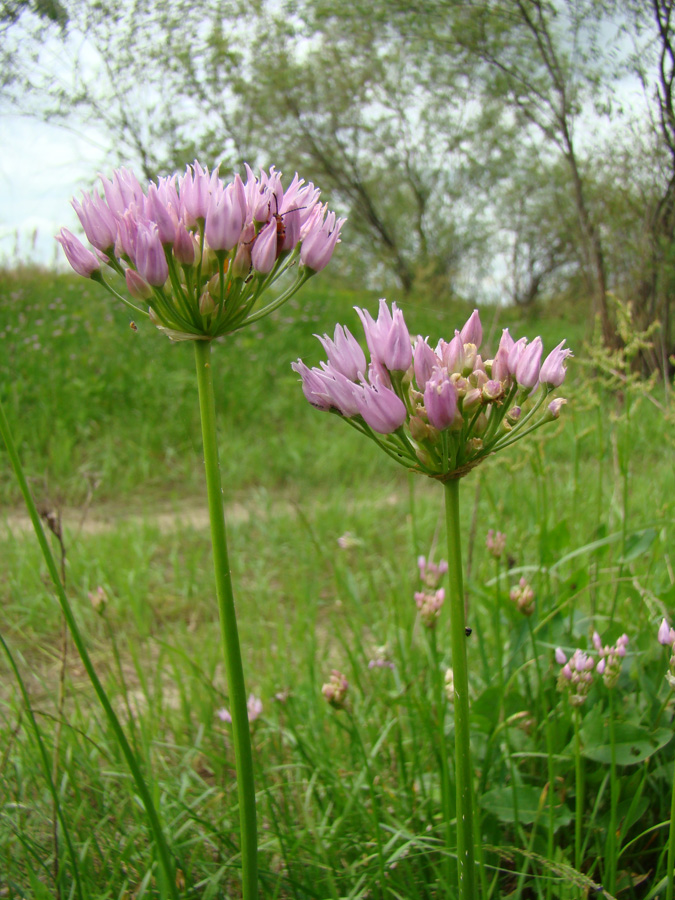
point(440, 412)
point(197, 257)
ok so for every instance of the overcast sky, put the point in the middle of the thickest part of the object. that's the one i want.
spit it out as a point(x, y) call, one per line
point(41, 167)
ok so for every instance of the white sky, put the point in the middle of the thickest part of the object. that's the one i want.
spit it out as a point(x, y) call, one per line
point(41, 167)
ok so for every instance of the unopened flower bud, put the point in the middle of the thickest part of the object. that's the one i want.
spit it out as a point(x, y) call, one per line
point(335, 689)
point(138, 287)
point(206, 304)
point(495, 543)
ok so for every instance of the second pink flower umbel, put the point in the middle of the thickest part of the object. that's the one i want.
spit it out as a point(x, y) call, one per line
point(200, 253)
point(437, 410)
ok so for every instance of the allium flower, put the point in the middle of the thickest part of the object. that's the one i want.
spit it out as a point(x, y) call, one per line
point(495, 543)
point(523, 596)
point(666, 634)
point(190, 231)
point(80, 258)
point(438, 411)
point(335, 689)
point(429, 604)
point(609, 664)
point(552, 372)
point(575, 677)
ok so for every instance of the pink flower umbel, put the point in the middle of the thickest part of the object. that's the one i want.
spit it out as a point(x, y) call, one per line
point(335, 689)
point(495, 543)
point(575, 677)
point(609, 664)
point(439, 411)
point(206, 250)
point(523, 596)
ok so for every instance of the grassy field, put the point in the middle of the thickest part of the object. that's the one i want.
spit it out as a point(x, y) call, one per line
point(325, 535)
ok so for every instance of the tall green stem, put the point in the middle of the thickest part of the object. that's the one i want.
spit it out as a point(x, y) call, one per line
point(579, 790)
point(463, 768)
point(228, 626)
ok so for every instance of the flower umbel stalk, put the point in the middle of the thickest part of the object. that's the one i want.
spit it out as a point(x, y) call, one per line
point(228, 625)
point(463, 767)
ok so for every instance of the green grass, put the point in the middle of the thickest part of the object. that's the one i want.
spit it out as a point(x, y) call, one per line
point(107, 423)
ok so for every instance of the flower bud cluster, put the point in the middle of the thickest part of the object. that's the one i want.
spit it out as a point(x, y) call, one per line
point(575, 676)
point(495, 543)
point(666, 636)
point(609, 664)
point(198, 251)
point(523, 596)
point(439, 410)
point(429, 605)
point(335, 690)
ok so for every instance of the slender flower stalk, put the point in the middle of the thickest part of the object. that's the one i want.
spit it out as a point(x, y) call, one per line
point(460, 671)
point(228, 625)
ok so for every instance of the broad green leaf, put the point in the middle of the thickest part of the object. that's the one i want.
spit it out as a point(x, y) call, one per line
point(633, 742)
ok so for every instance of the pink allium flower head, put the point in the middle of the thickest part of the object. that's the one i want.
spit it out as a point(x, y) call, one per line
point(344, 353)
point(224, 715)
point(335, 690)
point(429, 605)
point(425, 361)
point(529, 364)
point(264, 251)
point(495, 543)
point(452, 409)
point(440, 399)
point(150, 258)
point(97, 220)
point(80, 257)
point(380, 408)
point(552, 372)
point(472, 332)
